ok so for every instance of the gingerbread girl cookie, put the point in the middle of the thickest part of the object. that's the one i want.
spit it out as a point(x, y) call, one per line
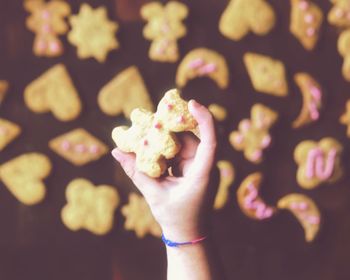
point(252, 136)
point(164, 28)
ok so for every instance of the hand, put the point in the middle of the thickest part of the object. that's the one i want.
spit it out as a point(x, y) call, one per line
point(177, 203)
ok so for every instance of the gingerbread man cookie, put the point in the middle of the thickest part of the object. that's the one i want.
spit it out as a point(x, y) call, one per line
point(312, 100)
point(267, 75)
point(139, 218)
point(227, 176)
point(89, 207)
point(305, 22)
point(345, 118)
point(339, 15)
point(244, 16)
point(151, 136)
point(318, 162)
point(252, 136)
point(203, 62)
point(125, 92)
point(344, 50)
point(3, 90)
point(24, 175)
point(251, 204)
point(306, 212)
point(8, 132)
point(164, 27)
point(93, 33)
point(47, 22)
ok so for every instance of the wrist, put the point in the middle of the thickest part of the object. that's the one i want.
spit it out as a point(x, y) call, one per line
point(183, 234)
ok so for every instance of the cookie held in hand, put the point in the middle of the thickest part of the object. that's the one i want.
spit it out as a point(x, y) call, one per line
point(152, 135)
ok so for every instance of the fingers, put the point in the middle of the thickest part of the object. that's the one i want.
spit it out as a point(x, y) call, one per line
point(205, 154)
point(128, 162)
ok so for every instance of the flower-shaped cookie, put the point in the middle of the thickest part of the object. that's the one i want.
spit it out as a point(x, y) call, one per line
point(89, 207)
point(253, 135)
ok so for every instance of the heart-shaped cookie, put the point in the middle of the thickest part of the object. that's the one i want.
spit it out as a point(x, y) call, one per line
point(24, 175)
point(54, 92)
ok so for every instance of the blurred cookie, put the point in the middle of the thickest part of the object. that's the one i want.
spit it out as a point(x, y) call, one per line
point(318, 162)
point(266, 74)
point(23, 176)
point(93, 33)
point(47, 21)
point(125, 92)
point(219, 112)
point(54, 92)
point(89, 207)
point(164, 27)
point(8, 132)
point(345, 118)
point(227, 176)
point(139, 218)
point(78, 146)
point(252, 136)
point(305, 211)
point(251, 204)
point(344, 50)
point(244, 16)
point(305, 22)
point(312, 99)
point(3, 90)
point(339, 14)
point(203, 62)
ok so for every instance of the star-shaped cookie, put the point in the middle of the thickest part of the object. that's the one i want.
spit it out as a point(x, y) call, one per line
point(93, 33)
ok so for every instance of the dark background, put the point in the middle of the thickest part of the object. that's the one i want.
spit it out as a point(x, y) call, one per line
point(35, 245)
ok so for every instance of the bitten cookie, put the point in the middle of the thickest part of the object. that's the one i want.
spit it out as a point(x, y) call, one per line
point(54, 92)
point(164, 27)
point(251, 204)
point(252, 136)
point(344, 50)
point(203, 62)
point(312, 100)
point(318, 162)
point(227, 176)
point(139, 218)
point(339, 14)
point(305, 211)
point(305, 22)
point(23, 176)
point(89, 207)
point(47, 21)
point(151, 136)
point(3, 90)
point(78, 146)
point(244, 16)
point(266, 74)
point(93, 33)
point(8, 132)
point(125, 92)
point(345, 118)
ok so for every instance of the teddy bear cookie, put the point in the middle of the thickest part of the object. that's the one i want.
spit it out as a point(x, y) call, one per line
point(244, 16)
point(252, 136)
point(318, 162)
point(3, 90)
point(47, 21)
point(8, 132)
point(125, 92)
point(139, 218)
point(227, 176)
point(219, 112)
point(306, 212)
point(344, 50)
point(305, 22)
point(164, 27)
point(89, 207)
point(93, 33)
point(249, 201)
point(267, 75)
point(23, 176)
point(339, 14)
point(312, 99)
point(203, 62)
point(54, 92)
point(345, 118)
point(151, 136)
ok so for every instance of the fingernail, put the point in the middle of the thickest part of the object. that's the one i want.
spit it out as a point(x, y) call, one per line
point(116, 154)
point(195, 104)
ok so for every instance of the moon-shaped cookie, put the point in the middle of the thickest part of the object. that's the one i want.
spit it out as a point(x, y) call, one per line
point(227, 176)
point(312, 100)
point(203, 62)
point(305, 211)
point(249, 200)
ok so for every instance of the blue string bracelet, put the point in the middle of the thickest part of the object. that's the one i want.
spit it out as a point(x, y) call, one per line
point(177, 244)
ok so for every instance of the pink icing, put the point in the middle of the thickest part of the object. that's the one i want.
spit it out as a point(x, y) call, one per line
point(41, 45)
point(80, 148)
point(339, 13)
point(315, 220)
point(195, 63)
point(158, 125)
point(256, 155)
point(245, 125)
point(55, 47)
point(310, 31)
point(145, 142)
point(303, 5)
point(3, 130)
point(315, 92)
point(309, 18)
point(226, 172)
point(266, 141)
point(261, 210)
point(45, 14)
point(94, 149)
point(238, 138)
point(46, 28)
point(163, 46)
point(299, 206)
point(316, 166)
point(207, 69)
point(65, 145)
point(170, 106)
point(181, 119)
